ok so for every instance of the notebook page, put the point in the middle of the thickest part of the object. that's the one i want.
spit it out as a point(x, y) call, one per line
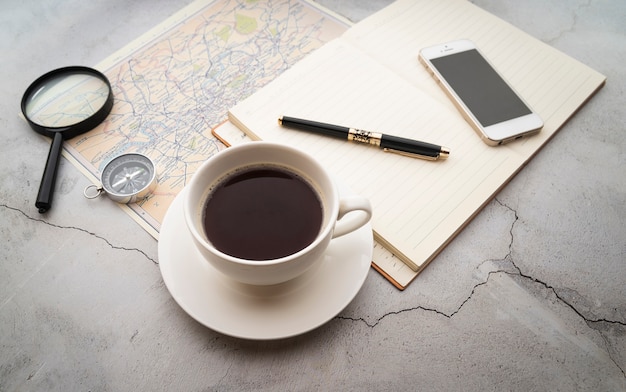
point(417, 204)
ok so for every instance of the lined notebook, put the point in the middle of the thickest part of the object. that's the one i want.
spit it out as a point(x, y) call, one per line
point(370, 78)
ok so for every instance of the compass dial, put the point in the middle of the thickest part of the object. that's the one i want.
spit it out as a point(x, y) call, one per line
point(129, 177)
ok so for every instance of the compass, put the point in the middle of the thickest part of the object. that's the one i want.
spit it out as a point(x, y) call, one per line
point(127, 178)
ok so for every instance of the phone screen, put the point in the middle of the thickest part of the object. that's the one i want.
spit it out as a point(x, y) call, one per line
point(480, 87)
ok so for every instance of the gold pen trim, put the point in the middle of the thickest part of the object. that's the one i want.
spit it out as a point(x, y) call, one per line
point(367, 137)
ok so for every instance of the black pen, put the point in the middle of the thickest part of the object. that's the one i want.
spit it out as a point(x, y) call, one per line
point(399, 145)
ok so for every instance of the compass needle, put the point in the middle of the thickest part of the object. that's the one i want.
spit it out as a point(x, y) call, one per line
point(129, 178)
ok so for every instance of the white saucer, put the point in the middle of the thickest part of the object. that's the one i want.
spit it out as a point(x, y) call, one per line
point(261, 312)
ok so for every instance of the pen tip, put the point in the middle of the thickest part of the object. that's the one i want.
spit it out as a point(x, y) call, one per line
point(444, 153)
point(280, 120)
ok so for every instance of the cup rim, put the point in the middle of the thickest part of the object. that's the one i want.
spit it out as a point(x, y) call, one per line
point(200, 237)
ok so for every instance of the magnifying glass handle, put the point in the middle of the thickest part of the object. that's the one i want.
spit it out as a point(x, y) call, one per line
point(46, 188)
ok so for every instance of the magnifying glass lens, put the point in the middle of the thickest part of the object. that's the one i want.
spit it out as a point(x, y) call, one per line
point(66, 99)
point(62, 104)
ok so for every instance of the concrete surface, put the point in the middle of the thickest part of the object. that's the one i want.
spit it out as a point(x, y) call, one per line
point(531, 296)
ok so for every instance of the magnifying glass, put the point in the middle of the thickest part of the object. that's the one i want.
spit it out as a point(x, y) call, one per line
point(62, 104)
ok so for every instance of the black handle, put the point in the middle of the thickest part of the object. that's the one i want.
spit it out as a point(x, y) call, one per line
point(46, 188)
point(314, 126)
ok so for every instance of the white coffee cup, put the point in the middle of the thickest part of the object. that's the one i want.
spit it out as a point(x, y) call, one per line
point(340, 214)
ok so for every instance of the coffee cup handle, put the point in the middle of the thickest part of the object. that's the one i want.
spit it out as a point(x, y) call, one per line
point(359, 210)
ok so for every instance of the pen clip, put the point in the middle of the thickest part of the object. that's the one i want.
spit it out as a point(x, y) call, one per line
point(412, 155)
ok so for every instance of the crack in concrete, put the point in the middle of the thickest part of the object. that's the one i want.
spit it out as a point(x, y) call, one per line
point(589, 321)
point(573, 25)
point(78, 229)
point(509, 258)
point(226, 373)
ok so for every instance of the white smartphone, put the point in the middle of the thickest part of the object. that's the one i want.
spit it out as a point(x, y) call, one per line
point(495, 111)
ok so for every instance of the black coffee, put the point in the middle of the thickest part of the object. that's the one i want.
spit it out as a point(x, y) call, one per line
point(262, 213)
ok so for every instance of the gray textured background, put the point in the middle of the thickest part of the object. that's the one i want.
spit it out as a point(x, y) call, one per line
point(530, 296)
